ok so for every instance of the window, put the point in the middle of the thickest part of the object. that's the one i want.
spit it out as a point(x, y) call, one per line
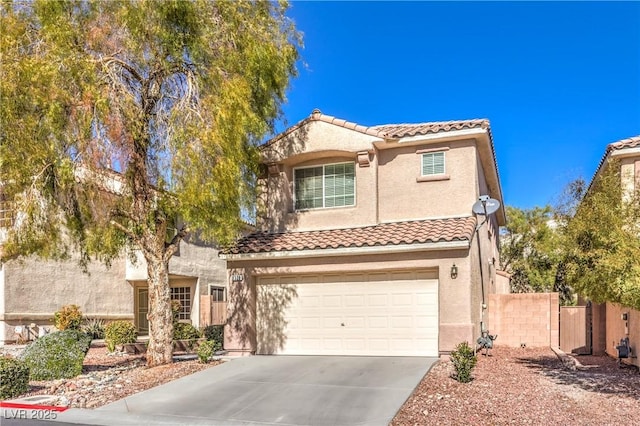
point(433, 163)
point(332, 185)
point(6, 211)
point(182, 295)
point(218, 293)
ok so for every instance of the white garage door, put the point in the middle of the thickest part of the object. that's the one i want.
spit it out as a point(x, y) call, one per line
point(381, 314)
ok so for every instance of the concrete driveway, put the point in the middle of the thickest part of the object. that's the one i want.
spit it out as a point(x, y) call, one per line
point(278, 390)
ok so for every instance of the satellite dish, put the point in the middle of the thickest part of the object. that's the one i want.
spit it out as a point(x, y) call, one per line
point(486, 205)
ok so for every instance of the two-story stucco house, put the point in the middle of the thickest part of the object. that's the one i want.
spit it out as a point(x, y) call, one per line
point(367, 241)
point(613, 322)
point(33, 289)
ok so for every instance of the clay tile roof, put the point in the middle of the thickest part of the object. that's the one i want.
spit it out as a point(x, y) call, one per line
point(404, 130)
point(625, 143)
point(411, 232)
point(631, 142)
point(386, 131)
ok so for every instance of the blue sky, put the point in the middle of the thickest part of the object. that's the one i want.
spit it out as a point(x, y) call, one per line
point(558, 81)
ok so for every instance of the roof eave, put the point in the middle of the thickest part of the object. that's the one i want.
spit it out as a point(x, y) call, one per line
point(352, 251)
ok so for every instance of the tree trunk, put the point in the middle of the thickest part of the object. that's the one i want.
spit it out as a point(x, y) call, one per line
point(160, 317)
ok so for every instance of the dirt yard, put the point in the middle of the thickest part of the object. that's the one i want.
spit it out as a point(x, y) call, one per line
point(109, 377)
point(527, 386)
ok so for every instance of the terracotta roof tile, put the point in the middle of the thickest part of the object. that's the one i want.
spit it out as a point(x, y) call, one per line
point(625, 143)
point(631, 142)
point(387, 131)
point(407, 129)
point(411, 232)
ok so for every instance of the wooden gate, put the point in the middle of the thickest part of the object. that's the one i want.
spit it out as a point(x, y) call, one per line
point(575, 329)
point(212, 312)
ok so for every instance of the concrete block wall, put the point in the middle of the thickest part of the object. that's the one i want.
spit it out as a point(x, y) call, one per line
point(530, 319)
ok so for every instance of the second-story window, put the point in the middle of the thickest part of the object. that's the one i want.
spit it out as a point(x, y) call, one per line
point(331, 185)
point(433, 163)
point(6, 211)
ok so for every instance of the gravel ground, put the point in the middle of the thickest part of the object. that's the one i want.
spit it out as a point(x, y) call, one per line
point(527, 386)
point(512, 386)
point(109, 377)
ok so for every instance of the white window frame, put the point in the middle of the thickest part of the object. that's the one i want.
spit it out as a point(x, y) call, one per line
point(444, 163)
point(324, 186)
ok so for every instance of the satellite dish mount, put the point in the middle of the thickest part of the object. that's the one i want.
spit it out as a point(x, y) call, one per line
point(485, 205)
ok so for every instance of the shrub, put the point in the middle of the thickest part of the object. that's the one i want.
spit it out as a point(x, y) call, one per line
point(119, 333)
point(185, 331)
point(215, 333)
point(57, 355)
point(464, 359)
point(68, 317)
point(176, 307)
point(206, 350)
point(14, 378)
point(94, 327)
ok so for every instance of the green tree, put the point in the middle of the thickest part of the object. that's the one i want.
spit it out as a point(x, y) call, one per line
point(529, 249)
point(602, 240)
point(172, 95)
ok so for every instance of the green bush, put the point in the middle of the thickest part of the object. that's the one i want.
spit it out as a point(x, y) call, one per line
point(57, 355)
point(14, 378)
point(119, 333)
point(176, 307)
point(185, 331)
point(68, 317)
point(464, 359)
point(206, 350)
point(215, 333)
point(94, 327)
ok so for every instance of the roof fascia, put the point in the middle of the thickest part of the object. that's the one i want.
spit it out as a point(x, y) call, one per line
point(350, 251)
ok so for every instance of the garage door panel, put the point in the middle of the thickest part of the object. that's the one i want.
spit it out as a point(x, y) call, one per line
point(331, 301)
point(377, 300)
point(383, 314)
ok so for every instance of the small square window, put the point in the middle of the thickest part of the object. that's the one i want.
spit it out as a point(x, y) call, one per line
point(433, 163)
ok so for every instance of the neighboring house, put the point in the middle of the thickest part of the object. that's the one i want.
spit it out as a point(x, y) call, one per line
point(612, 322)
point(31, 290)
point(368, 242)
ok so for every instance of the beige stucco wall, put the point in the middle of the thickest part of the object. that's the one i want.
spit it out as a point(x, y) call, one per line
point(617, 329)
point(193, 260)
point(279, 214)
point(388, 187)
point(314, 139)
point(35, 289)
point(402, 197)
point(457, 321)
point(31, 291)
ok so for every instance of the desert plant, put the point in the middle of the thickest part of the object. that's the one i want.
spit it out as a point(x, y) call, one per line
point(206, 350)
point(119, 333)
point(14, 377)
point(94, 327)
point(464, 359)
point(215, 333)
point(68, 317)
point(185, 331)
point(57, 355)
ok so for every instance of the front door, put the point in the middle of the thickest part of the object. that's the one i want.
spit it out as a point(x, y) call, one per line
point(142, 310)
